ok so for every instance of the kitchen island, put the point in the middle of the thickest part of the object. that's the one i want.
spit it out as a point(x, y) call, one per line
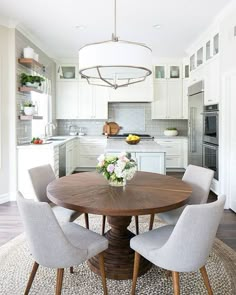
point(149, 155)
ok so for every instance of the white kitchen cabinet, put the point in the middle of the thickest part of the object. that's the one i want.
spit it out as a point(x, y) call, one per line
point(185, 98)
point(167, 71)
point(139, 92)
point(151, 162)
point(89, 150)
point(67, 100)
point(69, 157)
point(92, 101)
point(67, 72)
point(33, 156)
point(176, 152)
point(168, 99)
point(212, 82)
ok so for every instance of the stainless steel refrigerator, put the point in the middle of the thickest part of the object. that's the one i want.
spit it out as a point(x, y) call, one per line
point(195, 123)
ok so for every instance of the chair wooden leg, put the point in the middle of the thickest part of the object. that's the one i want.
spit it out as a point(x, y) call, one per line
point(136, 225)
point(71, 269)
point(135, 273)
point(103, 274)
point(175, 277)
point(151, 221)
point(60, 272)
point(31, 278)
point(86, 220)
point(206, 280)
point(103, 224)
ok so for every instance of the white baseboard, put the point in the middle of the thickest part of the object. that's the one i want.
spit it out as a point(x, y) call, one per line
point(4, 198)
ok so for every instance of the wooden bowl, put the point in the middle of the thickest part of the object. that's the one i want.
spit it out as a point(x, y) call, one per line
point(133, 141)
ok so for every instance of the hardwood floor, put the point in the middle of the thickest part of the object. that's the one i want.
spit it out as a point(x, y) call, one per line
point(11, 225)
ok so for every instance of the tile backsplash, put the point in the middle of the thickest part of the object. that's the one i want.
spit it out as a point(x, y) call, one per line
point(132, 117)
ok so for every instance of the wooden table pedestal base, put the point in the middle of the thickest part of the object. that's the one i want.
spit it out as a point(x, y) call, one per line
point(119, 257)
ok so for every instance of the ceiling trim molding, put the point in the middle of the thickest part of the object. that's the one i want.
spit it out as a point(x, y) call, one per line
point(22, 29)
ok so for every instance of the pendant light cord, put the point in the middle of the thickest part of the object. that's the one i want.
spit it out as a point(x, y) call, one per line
point(114, 37)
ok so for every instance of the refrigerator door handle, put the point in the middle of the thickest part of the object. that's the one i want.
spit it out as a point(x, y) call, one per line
point(193, 142)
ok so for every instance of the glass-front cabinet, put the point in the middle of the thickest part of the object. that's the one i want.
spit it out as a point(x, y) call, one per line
point(160, 72)
point(208, 50)
point(200, 56)
point(67, 72)
point(167, 71)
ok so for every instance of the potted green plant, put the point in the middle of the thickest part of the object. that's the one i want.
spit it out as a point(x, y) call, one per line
point(31, 81)
point(29, 108)
point(171, 131)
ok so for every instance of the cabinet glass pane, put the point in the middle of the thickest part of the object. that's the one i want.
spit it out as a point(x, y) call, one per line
point(192, 62)
point(216, 44)
point(208, 50)
point(160, 72)
point(186, 71)
point(67, 72)
point(174, 72)
point(199, 56)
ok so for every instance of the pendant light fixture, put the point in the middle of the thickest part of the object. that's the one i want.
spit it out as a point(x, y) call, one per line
point(115, 63)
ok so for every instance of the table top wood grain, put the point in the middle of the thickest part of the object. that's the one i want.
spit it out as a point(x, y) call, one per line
point(146, 193)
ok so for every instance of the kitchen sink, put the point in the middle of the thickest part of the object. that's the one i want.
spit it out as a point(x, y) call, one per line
point(56, 139)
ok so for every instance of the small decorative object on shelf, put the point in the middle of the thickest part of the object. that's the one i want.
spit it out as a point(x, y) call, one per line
point(117, 169)
point(29, 108)
point(132, 139)
point(171, 132)
point(31, 81)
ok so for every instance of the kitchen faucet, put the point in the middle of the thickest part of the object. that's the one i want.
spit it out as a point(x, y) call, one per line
point(49, 126)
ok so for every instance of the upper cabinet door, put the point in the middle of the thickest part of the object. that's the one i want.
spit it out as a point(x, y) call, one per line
point(159, 105)
point(85, 101)
point(175, 99)
point(100, 102)
point(67, 100)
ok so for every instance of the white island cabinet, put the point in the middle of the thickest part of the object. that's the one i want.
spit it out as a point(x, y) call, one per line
point(149, 155)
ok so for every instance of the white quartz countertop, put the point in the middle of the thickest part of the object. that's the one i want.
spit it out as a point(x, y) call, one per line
point(145, 146)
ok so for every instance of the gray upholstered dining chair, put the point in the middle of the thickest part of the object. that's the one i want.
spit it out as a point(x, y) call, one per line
point(199, 179)
point(40, 177)
point(74, 244)
point(184, 247)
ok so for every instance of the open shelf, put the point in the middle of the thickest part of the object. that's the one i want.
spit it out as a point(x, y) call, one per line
point(27, 118)
point(32, 64)
point(29, 89)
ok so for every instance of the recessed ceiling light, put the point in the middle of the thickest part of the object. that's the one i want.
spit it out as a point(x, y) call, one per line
point(80, 27)
point(157, 26)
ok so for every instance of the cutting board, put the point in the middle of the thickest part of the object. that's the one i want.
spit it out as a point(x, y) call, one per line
point(111, 128)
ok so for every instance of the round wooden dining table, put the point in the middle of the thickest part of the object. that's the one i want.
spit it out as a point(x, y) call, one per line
point(146, 193)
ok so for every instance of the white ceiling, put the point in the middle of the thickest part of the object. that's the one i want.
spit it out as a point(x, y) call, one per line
point(53, 22)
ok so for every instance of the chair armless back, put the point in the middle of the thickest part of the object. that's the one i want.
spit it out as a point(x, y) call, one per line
point(47, 242)
point(199, 179)
point(189, 245)
point(40, 177)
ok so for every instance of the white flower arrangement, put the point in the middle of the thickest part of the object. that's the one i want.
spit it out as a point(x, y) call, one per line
point(117, 168)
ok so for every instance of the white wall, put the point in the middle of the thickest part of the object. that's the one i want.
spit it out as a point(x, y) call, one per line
point(7, 111)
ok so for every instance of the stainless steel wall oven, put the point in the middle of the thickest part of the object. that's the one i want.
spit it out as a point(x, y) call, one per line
point(211, 138)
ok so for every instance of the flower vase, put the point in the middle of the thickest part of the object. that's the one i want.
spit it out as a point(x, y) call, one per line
point(117, 183)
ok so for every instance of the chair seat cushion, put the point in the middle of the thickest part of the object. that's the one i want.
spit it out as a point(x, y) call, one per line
point(63, 214)
point(152, 240)
point(85, 239)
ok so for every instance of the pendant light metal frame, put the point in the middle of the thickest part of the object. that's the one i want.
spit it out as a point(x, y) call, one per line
point(100, 79)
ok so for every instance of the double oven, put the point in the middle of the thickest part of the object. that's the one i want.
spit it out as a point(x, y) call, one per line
point(211, 138)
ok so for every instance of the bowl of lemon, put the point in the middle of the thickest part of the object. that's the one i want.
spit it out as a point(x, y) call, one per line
point(132, 139)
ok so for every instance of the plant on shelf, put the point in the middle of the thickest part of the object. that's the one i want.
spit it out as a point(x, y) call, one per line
point(29, 108)
point(31, 81)
point(117, 169)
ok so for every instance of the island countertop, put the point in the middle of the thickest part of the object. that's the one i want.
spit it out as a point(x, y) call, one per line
point(144, 146)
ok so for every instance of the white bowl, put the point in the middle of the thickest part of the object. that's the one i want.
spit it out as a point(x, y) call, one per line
point(29, 111)
point(68, 75)
point(171, 132)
